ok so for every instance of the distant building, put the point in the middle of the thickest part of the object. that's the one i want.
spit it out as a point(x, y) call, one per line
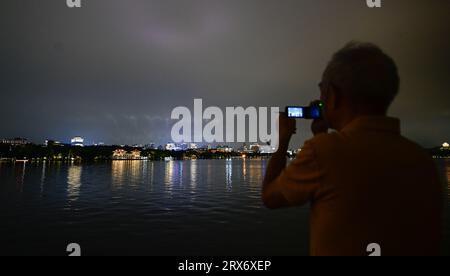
point(77, 141)
point(150, 146)
point(445, 146)
point(99, 144)
point(121, 154)
point(193, 146)
point(135, 154)
point(266, 149)
point(255, 148)
point(49, 143)
point(183, 146)
point(224, 149)
point(175, 147)
point(244, 148)
point(170, 146)
point(15, 142)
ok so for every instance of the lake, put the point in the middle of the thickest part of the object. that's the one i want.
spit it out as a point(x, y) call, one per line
point(176, 208)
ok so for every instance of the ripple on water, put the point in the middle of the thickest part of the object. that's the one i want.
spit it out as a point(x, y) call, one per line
point(184, 207)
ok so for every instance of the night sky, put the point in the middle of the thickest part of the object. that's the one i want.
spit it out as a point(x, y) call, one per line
point(113, 70)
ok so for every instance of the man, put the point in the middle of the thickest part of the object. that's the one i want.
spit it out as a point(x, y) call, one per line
point(365, 182)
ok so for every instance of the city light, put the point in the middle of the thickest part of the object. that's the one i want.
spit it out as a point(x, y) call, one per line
point(77, 141)
point(121, 154)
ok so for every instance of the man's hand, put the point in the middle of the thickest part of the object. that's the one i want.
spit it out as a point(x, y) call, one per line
point(319, 126)
point(271, 196)
point(287, 128)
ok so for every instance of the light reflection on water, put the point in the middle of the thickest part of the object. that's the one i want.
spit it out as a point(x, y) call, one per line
point(193, 174)
point(74, 182)
point(448, 178)
point(173, 176)
point(20, 175)
point(44, 166)
point(118, 173)
point(197, 207)
point(229, 174)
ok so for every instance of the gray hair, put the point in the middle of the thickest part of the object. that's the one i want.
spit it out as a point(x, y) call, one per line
point(365, 73)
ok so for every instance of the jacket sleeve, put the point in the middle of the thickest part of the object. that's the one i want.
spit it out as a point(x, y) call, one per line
point(300, 181)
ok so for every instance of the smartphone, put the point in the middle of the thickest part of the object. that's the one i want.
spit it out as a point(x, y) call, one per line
point(315, 111)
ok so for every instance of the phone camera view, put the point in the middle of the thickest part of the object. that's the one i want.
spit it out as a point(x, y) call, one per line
point(295, 112)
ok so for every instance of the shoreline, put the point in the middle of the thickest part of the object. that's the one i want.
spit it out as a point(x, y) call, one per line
point(39, 161)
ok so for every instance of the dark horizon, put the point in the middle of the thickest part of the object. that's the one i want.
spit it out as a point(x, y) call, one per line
point(112, 71)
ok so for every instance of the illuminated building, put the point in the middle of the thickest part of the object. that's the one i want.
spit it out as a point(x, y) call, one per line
point(77, 142)
point(175, 147)
point(170, 146)
point(121, 154)
point(266, 149)
point(224, 149)
point(15, 142)
point(49, 143)
point(193, 146)
point(135, 154)
point(445, 146)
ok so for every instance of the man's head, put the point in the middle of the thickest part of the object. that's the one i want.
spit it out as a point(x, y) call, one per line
point(360, 80)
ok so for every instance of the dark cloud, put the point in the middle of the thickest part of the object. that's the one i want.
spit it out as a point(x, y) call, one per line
point(113, 70)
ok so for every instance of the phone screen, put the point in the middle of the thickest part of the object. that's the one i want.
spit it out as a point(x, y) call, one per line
point(295, 112)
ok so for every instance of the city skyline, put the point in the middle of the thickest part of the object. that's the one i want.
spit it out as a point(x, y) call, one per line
point(170, 145)
point(115, 78)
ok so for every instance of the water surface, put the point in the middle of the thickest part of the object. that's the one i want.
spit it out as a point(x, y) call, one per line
point(198, 207)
